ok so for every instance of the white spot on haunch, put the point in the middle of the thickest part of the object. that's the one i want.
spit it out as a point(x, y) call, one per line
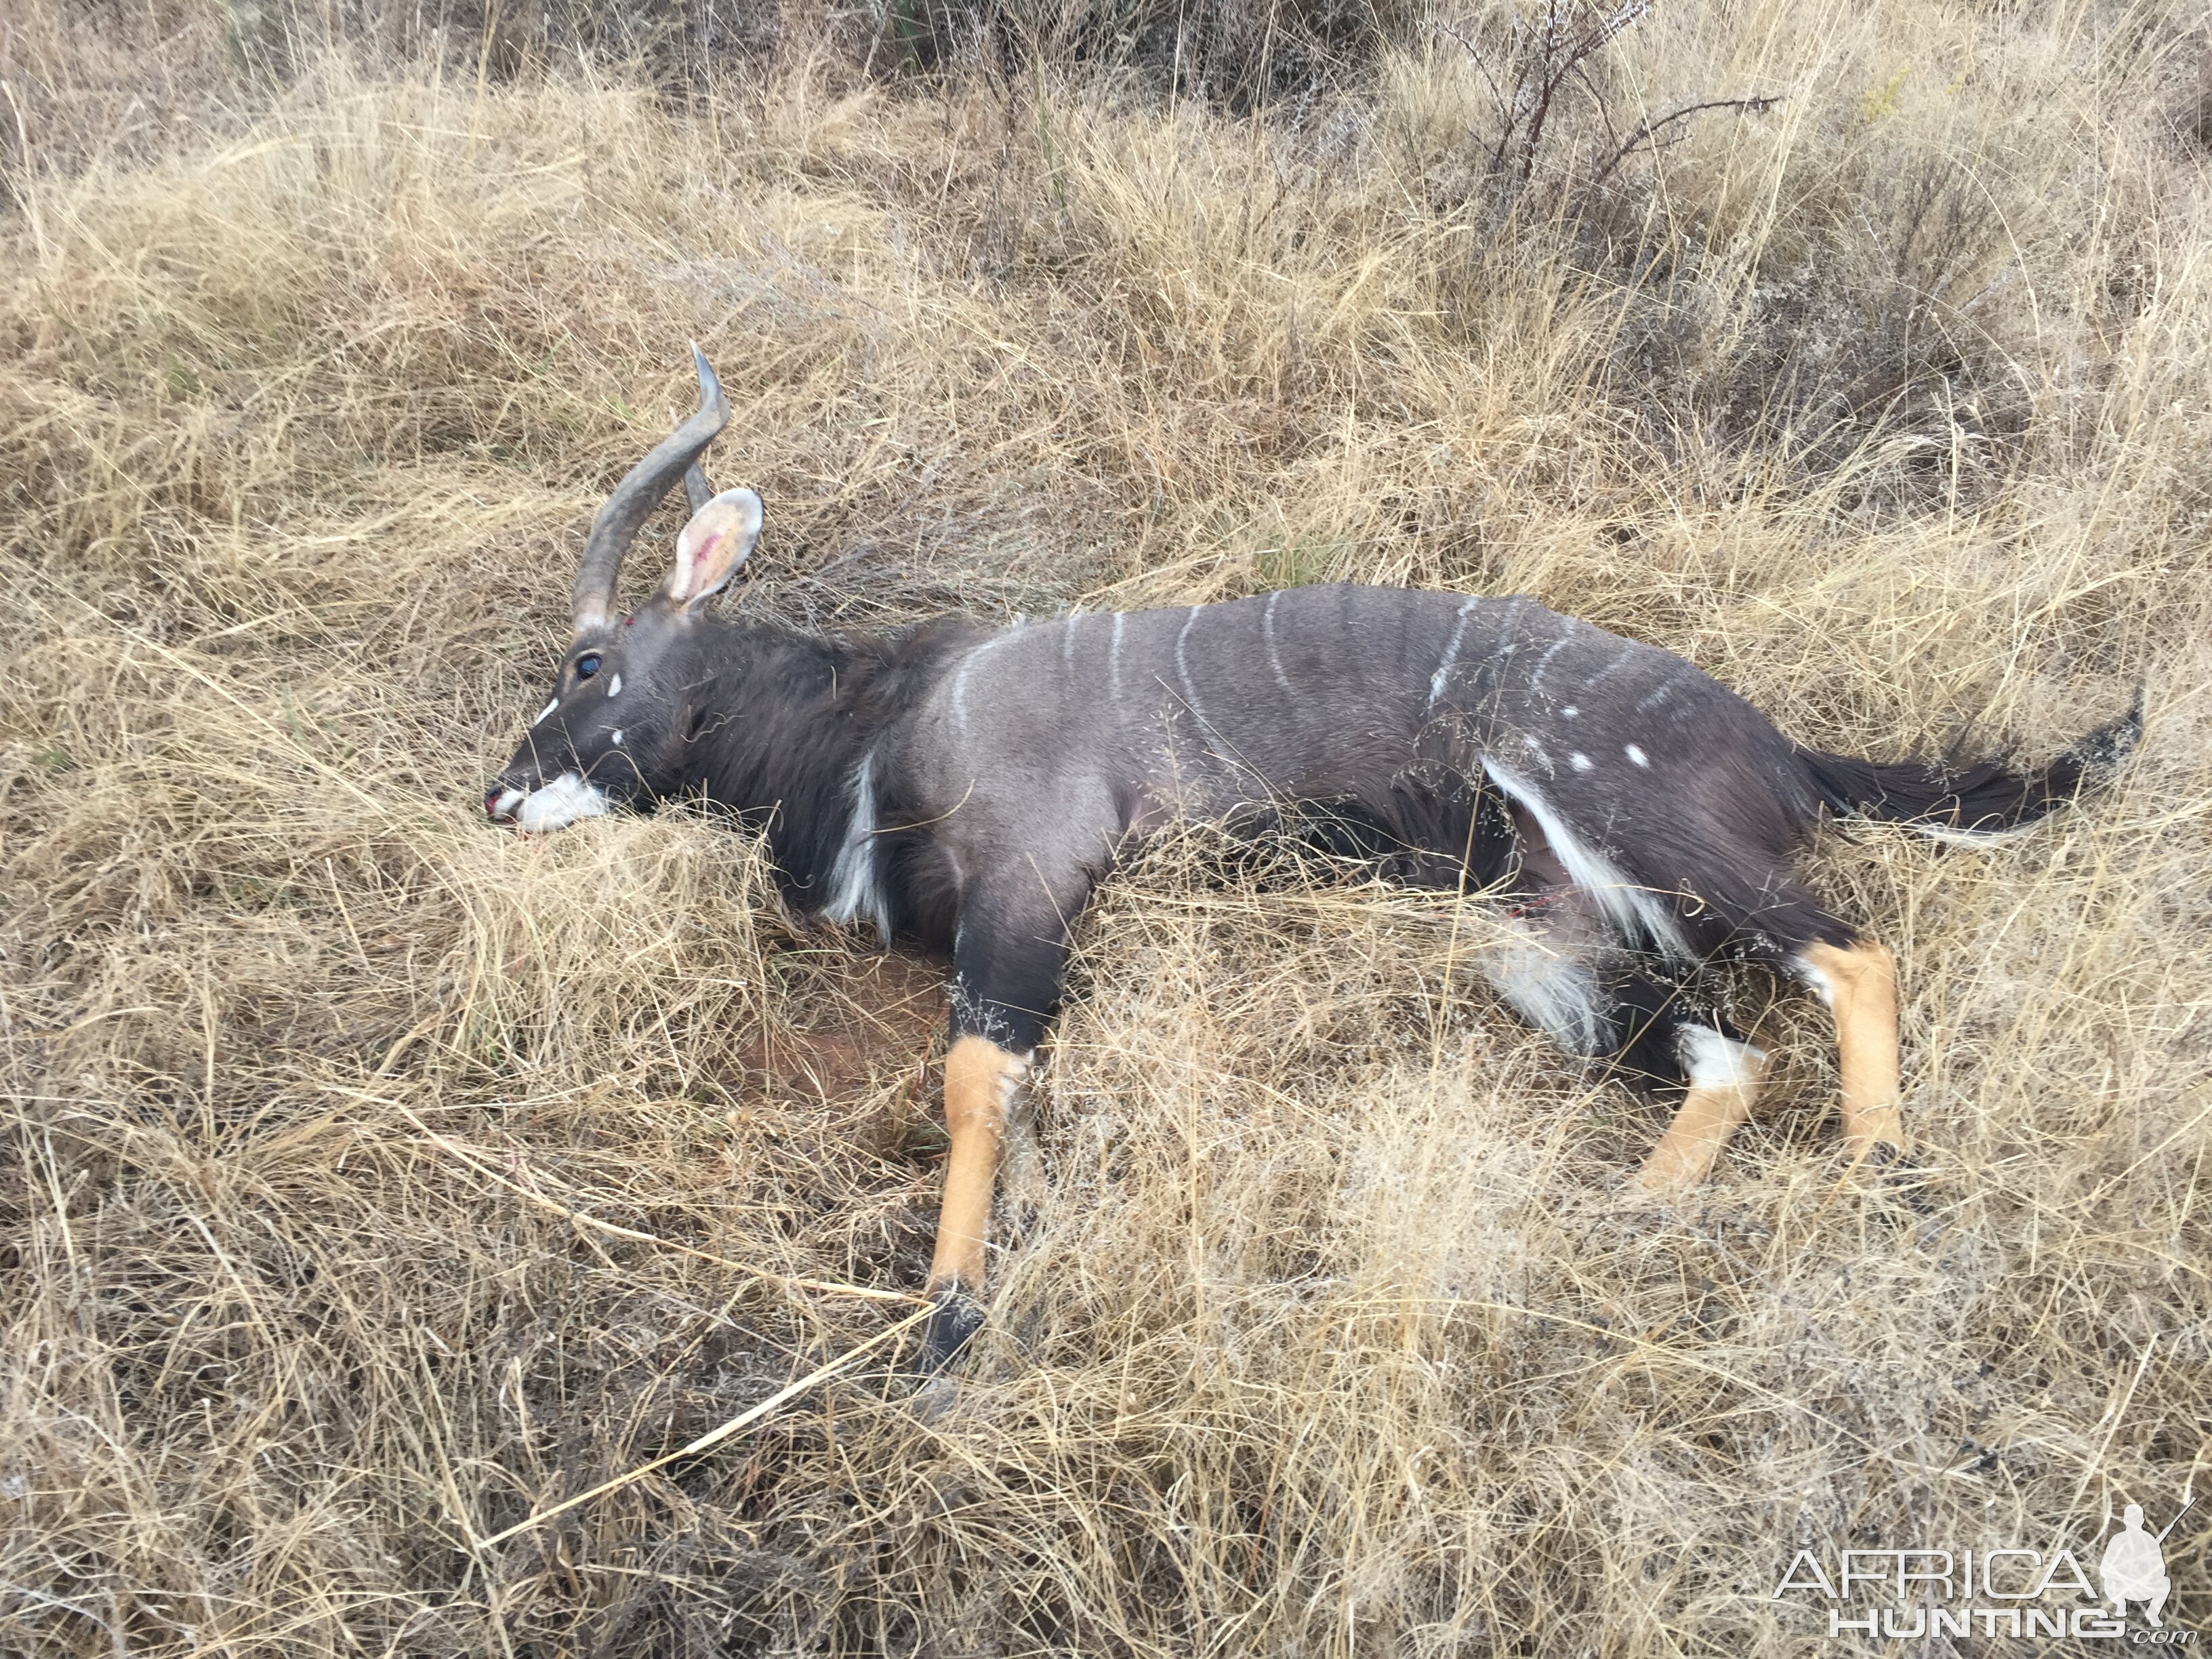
point(1451, 653)
point(545, 714)
point(1711, 1061)
point(1569, 712)
point(855, 890)
point(1579, 760)
point(560, 804)
point(1267, 633)
point(614, 684)
point(1637, 755)
point(1634, 911)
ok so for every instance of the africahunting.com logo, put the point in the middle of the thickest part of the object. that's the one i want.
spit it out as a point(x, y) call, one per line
point(1890, 1593)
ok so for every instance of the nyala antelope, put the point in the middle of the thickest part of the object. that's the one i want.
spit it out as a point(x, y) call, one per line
point(966, 786)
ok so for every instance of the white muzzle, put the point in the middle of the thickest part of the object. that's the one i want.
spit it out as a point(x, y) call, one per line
point(556, 806)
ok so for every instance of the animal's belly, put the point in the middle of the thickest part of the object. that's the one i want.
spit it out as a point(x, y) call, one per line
point(1425, 824)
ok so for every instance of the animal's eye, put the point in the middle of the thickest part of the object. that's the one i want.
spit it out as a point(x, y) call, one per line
point(588, 666)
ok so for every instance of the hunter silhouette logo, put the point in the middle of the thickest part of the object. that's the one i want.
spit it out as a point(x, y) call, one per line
point(2134, 1567)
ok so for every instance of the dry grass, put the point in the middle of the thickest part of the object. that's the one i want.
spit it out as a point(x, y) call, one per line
point(1319, 1326)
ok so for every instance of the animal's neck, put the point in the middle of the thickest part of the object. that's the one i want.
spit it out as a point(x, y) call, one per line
point(779, 723)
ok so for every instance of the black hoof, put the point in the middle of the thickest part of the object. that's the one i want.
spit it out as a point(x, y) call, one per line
point(1900, 1178)
point(1908, 1184)
point(956, 1317)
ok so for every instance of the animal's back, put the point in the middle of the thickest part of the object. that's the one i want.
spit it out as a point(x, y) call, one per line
point(1307, 691)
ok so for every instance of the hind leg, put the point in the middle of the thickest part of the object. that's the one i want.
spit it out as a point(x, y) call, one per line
point(1724, 1074)
point(1665, 1035)
point(1858, 981)
point(1561, 972)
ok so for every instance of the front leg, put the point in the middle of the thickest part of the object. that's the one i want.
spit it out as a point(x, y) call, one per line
point(1007, 966)
point(980, 1081)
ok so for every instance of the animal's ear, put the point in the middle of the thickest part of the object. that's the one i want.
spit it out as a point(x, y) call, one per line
point(710, 549)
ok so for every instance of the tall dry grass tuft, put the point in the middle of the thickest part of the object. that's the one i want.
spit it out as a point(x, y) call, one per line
point(374, 1181)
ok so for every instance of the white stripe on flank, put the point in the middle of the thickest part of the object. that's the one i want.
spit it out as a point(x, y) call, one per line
point(1543, 662)
point(1067, 643)
point(855, 891)
point(1633, 911)
point(1611, 663)
point(1267, 633)
point(960, 680)
point(1451, 653)
point(1183, 667)
point(1114, 656)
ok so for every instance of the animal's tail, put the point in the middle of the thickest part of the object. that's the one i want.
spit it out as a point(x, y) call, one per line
point(1981, 801)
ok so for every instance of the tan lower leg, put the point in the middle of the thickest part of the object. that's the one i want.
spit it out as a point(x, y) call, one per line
point(1708, 1114)
point(980, 1079)
point(1861, 983)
